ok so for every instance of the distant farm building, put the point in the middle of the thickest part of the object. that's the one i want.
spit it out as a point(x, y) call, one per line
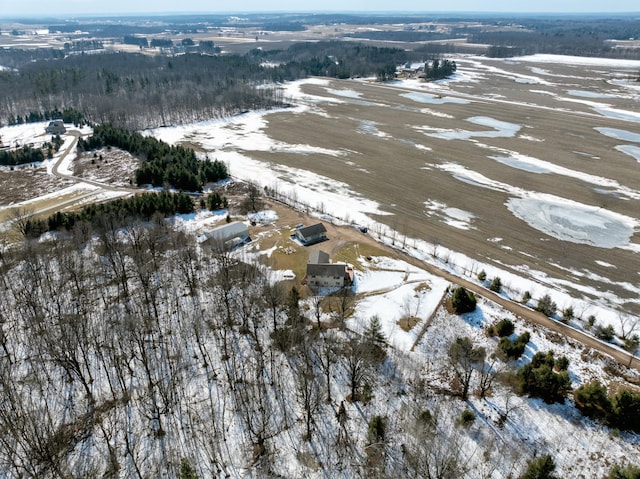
point(323, 274)
point(56, 127)
point(227, 236)
point(311, 234)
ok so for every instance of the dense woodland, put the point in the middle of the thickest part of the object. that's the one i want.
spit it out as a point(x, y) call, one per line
point(144, 207)
point(140, 91)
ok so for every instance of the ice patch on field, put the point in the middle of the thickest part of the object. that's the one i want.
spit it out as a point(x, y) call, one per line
point(345, 93)
point(631, 150)
point(433, 99)
point(571, 221)
point(500, 129)
point(455, 217)
point(589, 94)
point(617, 114)
point(619, 134)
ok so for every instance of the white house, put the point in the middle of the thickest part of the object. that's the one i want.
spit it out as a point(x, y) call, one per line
point(323, 274)
point(311, 234)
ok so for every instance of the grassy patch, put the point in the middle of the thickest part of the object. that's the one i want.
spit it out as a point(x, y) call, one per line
point(351, 253)
point(408, 323)
point(288, 255)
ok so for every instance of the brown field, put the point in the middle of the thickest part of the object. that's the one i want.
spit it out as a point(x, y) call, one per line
point(401, 177)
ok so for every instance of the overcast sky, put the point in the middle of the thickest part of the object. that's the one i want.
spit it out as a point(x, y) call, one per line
point(111, 7)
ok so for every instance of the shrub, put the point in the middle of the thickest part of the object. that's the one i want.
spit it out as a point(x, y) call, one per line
point(567, 314)
point(626, 410)
point(526, 297)
point(377, 430)
point(482, 276)
point(605, 333)
point(513, 349)
point(496, 285)
point(467, 418)
point(627, 472)
point(504, 327)
point(632, 343)
point(592, 400)
point(463, 301)
point(546, 306)
point(541, 468)
point(538, 379)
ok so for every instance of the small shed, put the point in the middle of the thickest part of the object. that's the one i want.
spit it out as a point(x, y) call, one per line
point(56, 127)
point(227, 236)
point(311, 234)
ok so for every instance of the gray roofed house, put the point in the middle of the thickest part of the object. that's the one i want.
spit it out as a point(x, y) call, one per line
point(318, 257)
point(56, 127)
point(322, 274)
point(311, 234)
point(227, 236)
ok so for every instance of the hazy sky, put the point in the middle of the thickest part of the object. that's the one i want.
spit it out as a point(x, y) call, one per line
point(80, 7)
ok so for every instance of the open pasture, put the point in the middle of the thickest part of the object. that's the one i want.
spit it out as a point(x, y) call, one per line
point(530, 165)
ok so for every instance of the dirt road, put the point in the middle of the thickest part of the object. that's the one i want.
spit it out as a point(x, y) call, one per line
point(339, 235)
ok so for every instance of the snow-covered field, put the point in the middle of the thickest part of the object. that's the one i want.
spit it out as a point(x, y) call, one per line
point(213, 386)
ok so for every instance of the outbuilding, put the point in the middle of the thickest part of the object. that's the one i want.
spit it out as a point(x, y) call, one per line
point(56, 127)
point(227, 236)
point(311, 234)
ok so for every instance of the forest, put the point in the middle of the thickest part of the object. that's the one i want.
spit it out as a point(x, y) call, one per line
point(140, 91)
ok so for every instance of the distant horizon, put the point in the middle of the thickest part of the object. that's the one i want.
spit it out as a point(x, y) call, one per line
point(121, 8)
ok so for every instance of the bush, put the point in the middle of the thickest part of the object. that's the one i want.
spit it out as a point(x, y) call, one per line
point(627, 472)
point(567, 314)
point(538, 379)
point(592, 400)
point(463, 301)
point(546, 306)
point(467, 418)
point(482, 276)
point(605, 333)
point(504, 327)
point(513, 349)
point(526, 297)
point(377, 430)
point(541, 468)
point(496, 285)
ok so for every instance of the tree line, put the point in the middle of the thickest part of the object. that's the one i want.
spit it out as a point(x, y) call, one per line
point(142, 91)
point(142, 207)
point(67, 115)
point(163, 164)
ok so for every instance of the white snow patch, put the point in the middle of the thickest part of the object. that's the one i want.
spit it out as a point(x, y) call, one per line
point(575, 222)
point(500, 129)
point(452, 216)
point(631, 150)
point(433, 99)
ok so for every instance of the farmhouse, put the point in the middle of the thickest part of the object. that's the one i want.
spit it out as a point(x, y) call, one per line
point(227, 236)
point(323, 274)
point(56, 127)
point(311, 234)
